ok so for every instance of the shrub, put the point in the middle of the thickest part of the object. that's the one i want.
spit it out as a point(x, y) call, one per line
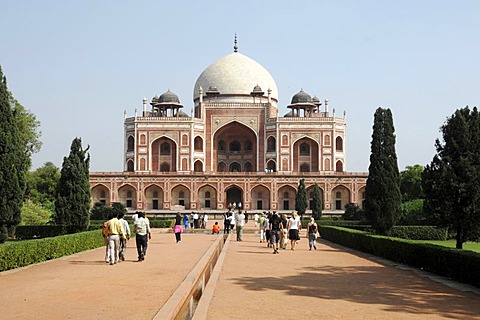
point(419, 232)
point(32, 232)
point(353, 212)
point(447, 262)
point(23, 253)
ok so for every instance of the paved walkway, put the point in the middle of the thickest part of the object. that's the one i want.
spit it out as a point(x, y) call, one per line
point(248, 282)
point(330, 283)
point(83, 286)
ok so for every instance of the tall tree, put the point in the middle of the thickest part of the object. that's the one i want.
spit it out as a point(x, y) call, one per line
point(29, 130)
point(73, 191)
point(411, 183)
point(301, 203)
point(450, 182)
point(382, 193)
point(42, 183)
point(12, 168)
point(317, 202)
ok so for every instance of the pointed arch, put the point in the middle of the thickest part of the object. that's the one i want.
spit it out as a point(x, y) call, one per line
point(198, 166)
point(305, 151)
point(154, 197)
point(100, 194)
point(127, 195)
point(260, 196)
point(198, 144)
point(164, 155)
point(207, 196)
point(339, 166)
point(341, 195)
point(271, 144)
point(130, 165)
point(236, 143)
point(180, 196)
point(286, 197)
point(130, 144)
point(339, 144)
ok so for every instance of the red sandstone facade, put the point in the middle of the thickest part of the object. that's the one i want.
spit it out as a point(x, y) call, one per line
point(232, 148)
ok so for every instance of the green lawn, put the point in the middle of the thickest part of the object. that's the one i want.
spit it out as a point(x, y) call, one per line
point(472, 246)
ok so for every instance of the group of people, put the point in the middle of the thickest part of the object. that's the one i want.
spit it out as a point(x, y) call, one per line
point(116, 233)
point(277, 230)
point(234, 220)
point(195, 221)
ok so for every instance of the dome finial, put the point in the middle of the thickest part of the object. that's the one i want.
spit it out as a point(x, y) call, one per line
point(235, 47)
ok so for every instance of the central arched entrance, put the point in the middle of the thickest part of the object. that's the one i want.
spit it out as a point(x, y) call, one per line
point(234, 194)
point(235, 148)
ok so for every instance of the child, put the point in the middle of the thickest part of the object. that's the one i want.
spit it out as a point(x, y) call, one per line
point(216, 228)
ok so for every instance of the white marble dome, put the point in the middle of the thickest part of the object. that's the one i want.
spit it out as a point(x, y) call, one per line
point(235, 75)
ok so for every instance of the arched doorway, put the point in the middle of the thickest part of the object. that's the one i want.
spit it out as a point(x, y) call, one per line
point(235, 145)
point(340, 197)
point(305, 155)
point(153, 198)
point(207, 197)
point(164, 155)
point(101, 194)
point(234, 194)
point(128, 197)
point(260, 198)
point(286, 198)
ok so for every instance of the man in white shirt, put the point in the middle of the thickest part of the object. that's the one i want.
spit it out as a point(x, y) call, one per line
point(205, 220)
point(126, 236)
point(239, 223)
point(195, 220)
point(142, 230)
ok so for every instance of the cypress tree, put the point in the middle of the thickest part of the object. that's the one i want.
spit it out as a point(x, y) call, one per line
point(73, 190)
point(450, 182)
point(12, 170)
point(316, 202)
point(301, 203)
point(382, 193)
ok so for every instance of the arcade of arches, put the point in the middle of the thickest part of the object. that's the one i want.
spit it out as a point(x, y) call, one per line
point(157, 197)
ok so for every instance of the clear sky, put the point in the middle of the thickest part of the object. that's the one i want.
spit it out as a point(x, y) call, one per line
point(77, 65)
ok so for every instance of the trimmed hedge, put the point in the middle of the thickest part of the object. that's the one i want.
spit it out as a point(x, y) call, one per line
point(23, 253)
point(419, 233)
point(43, 231)
point(447, 262)
point(404, 232)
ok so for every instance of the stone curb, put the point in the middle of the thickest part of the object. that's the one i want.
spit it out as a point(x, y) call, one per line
point(189, 291)
point(201, 311)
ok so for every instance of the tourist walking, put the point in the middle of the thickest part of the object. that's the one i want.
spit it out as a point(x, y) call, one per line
point(226, 222)
point(275, 230)
point(261, 227)
point(312, 231)
point(142, 230)
point(284, 233)
point(126, 236)
point(177, 228)
point(232, 220)
point(115, 231)
point(294, 225)
point(205, 221)
point(185, 221)
point(240, 223)
point(105, 237)
point(195, 220)
point(267, 228)
point(255, 219)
